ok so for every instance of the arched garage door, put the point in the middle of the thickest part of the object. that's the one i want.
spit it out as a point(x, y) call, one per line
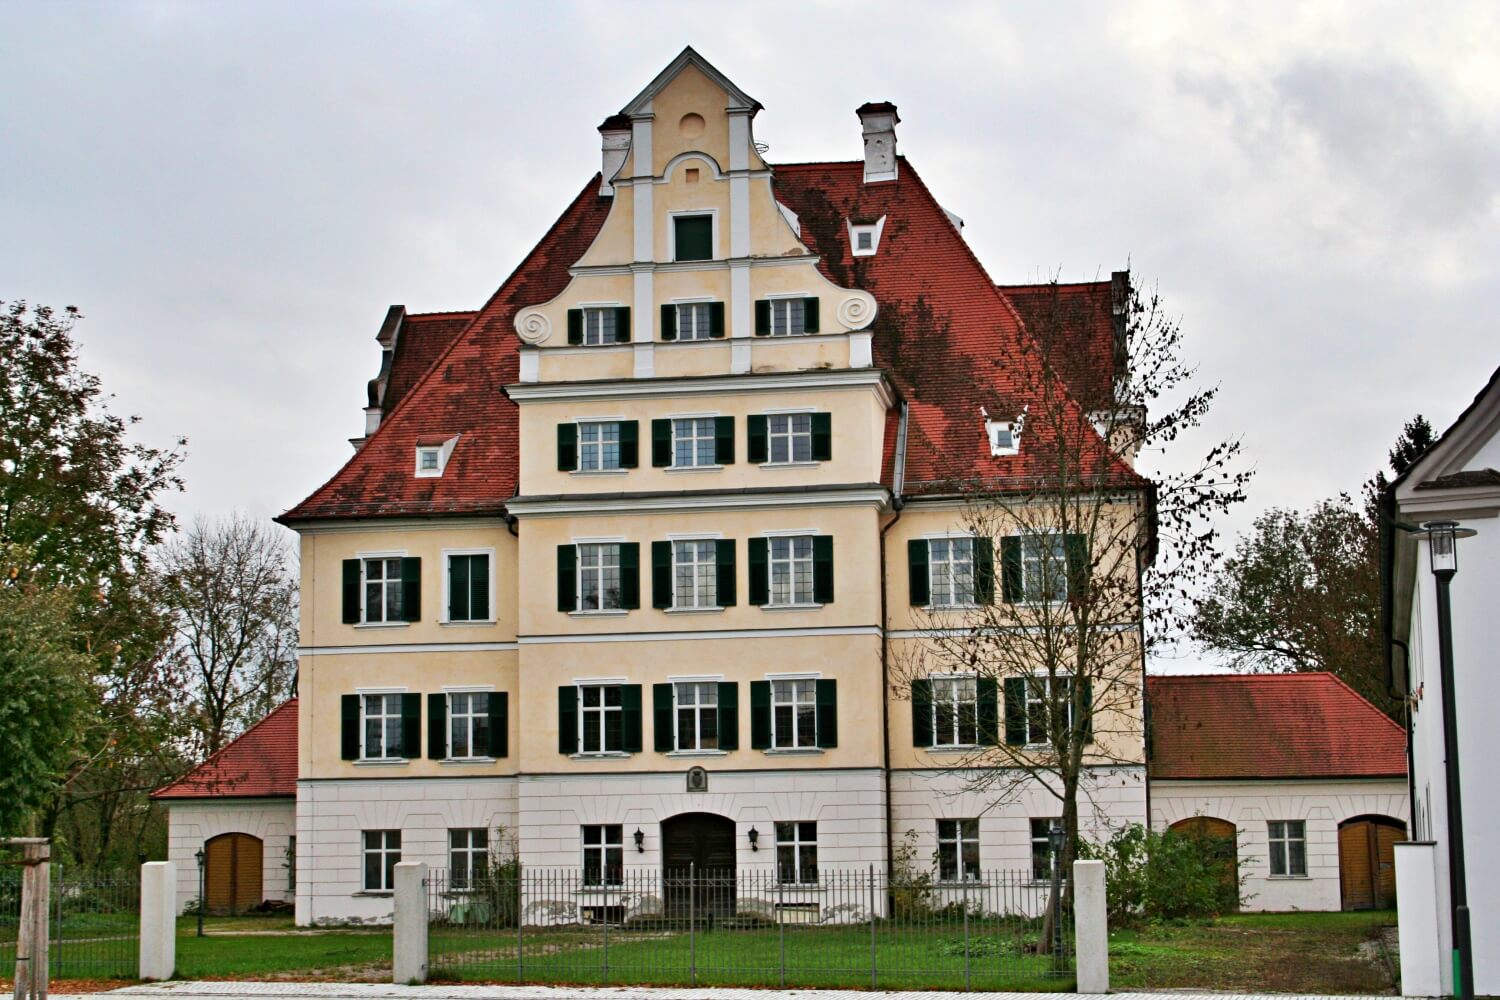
point(1367, 861)
point(232, 879)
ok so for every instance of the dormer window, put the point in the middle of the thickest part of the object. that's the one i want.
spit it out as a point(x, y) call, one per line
point(427, 459)
point(432, 456)
point(1005, 436)
point(864, 236)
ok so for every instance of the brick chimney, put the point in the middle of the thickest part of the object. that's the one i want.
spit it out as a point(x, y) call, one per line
point(878, 120)
point(615, 133)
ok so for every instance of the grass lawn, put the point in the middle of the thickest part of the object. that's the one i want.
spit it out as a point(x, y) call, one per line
point(251, 947)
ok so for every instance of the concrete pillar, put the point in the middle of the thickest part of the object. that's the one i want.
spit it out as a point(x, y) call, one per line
point(409, 963)
point(158, 919)
point(1423, 962)
point(1090, 927)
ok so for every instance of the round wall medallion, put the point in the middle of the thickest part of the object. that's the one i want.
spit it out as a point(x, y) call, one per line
point(533, 327)
point(691, 125)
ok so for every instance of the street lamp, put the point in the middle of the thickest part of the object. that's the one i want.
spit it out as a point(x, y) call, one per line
point(200, 856)
point(1055, 837)
point(1442, 551)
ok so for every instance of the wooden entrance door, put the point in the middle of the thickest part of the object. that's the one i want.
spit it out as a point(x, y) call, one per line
point(1220, 836)
point(1367, 861)
point(232, 880)
point(698, 865)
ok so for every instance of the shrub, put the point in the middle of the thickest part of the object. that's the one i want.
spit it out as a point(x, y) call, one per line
point(1167, 876)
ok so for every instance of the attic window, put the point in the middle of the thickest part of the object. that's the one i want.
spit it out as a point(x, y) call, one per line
point(1005, 436)
point(864, 236)
point(432, 457)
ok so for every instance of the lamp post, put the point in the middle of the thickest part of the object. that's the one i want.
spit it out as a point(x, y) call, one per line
point(1055, 843)
point(1442, 549)
point(200, 857)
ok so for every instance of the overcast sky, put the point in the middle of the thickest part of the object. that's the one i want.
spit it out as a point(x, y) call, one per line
point(234, 193)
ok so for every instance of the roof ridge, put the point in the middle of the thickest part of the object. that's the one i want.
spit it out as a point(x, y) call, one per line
point(444, 314)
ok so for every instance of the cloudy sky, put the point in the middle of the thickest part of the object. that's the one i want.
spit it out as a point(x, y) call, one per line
point(234, 193)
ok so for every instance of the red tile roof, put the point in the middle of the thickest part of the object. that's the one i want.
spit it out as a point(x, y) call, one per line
point(1228, 726)
point(261, 763)
point(424, 337)
point(1079, 321)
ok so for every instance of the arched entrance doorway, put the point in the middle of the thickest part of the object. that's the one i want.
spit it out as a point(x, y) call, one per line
point(698, 864)
point(1367, 861)
point(232, 880)
point(1219, 837)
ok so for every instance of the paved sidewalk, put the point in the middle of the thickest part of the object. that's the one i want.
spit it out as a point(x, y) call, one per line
point(376, 991)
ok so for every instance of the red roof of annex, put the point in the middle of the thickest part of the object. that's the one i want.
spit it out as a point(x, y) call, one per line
point(261, 763)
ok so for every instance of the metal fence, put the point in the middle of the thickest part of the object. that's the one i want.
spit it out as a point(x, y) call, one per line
point(93, 923)
point(1004, 930)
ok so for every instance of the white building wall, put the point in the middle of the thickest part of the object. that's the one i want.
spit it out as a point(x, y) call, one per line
point(333, 814)
point(1250, 805)
point(192, 823)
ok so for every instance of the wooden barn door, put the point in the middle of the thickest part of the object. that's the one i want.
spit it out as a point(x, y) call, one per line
point(1367, 861)
point(232, 873)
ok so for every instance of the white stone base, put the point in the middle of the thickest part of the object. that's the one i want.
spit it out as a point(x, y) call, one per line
point(191, 823)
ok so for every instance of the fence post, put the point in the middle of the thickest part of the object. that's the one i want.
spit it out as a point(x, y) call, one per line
point(781, 926)
point(158, 951)
point(1090, 928)
point(693, 921)
point(873, 975)
point(31, 932)
point(520, 924)
point(409, 961)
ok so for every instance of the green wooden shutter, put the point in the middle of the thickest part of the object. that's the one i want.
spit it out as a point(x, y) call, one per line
point(567, 578)
point(661, 575)
point(716, 320)
point(724, 440)
point(567, 447)
point(828, 713)
point(762, 317)
point(1015, 711)
point(349, 731)
point(724, 575)
point(1077, 549)
point(693, 237)
point(729, 715)
point(822, 437)
point(921, 713)
point(1011, 584)
point(984, 571)
point(756, 438)
point(760, 715)
point(411, 589)
point(661, 443)
point(499, 724)
point(567, 719)
point(437, 726)
point(622, 325)
point(575, 326)
point(411, 726)
point(630, 718)
point(630, 447)
point(630, 575)
point(917, 578)
point(668, 321)
point(759, 570)
point(458, 588)
point(351, 591)
point(479, 587)
point(823, 569)
point(1087, 722)
point(661, 718)
point(989, 711)
point(809, 315)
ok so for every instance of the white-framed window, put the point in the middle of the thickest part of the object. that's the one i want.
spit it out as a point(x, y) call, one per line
point(382, 587)
point(794, 713)
point(1044, 568)
point(468, 856)
point(1287, 847)
point(1040, 692)
point(599, 577)
point(598, 445)
point(788, 437)
point(955, 711)
point(791, 565)
point(958, 850)
point(599, 325)
point(382, 849)
point(468, 724)
point(1005, 437)
point(950, 572)
point(694, 320)
point(695, 576)
point(797, 853)
point(381, 725)
point(693, 442)
point(697, 715)
point(603, 854)
point(864, 237)
point(788, 317)
point(601, 724)
point(429, 460)
point(469, 585)
point(1041, 847)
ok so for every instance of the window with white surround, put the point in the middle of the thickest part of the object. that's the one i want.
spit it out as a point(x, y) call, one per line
point(1044, 568)
point(469, 586)
point(603, 854)
point(382, 849)
point(599, 326)
point(432, 456)
point(1005, 437)
point(697, 715)
point(599, 577)
point(789, 437)
point(794, 713)
point(382, 588)
point(788, 317)
point(955, 711)
point(599, 446)
point(958, 850)
point(695, 574)
point(601, 724)
point(797, 853)
point(468, 724)
point(468, 856)
point(791, 562)
point(381, 714)
point(950, 569)
point(428, 460)
point(693, 442)
point(864, 237)
point(694, 320)
point(1041, 691)
point(1288, 847)
point(1041, 847)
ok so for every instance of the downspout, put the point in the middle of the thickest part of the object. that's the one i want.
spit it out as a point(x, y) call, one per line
point(898, 477)
point(1408, 724)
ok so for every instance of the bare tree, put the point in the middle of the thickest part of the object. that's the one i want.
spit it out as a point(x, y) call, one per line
point(232, 591)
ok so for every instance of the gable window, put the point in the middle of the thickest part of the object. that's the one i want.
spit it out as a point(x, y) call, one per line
point(693, 321)
point(469, 587)
point(600, 326)
point(599, 446)
point(382, 727)
point(794, 714)
point(468, 857)
point(693, 237)
point(695, 574)
point(1288, 847)
point(468, 724)
point(955, 711)
point(788, 317)
point(1044, 569)
point(1041, 847)
point(603, 854)
point(382, 849)
point(601, 726)
point(383, 590)
point(951, 571)
point(789, 437)
point(693, 442)
point(599, 577)
point(958, 850)
point(697, 715)
point(797, 853)
point(1041, 691)
point(791, 560)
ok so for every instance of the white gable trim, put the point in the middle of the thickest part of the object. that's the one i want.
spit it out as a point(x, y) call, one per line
point(738, 99)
